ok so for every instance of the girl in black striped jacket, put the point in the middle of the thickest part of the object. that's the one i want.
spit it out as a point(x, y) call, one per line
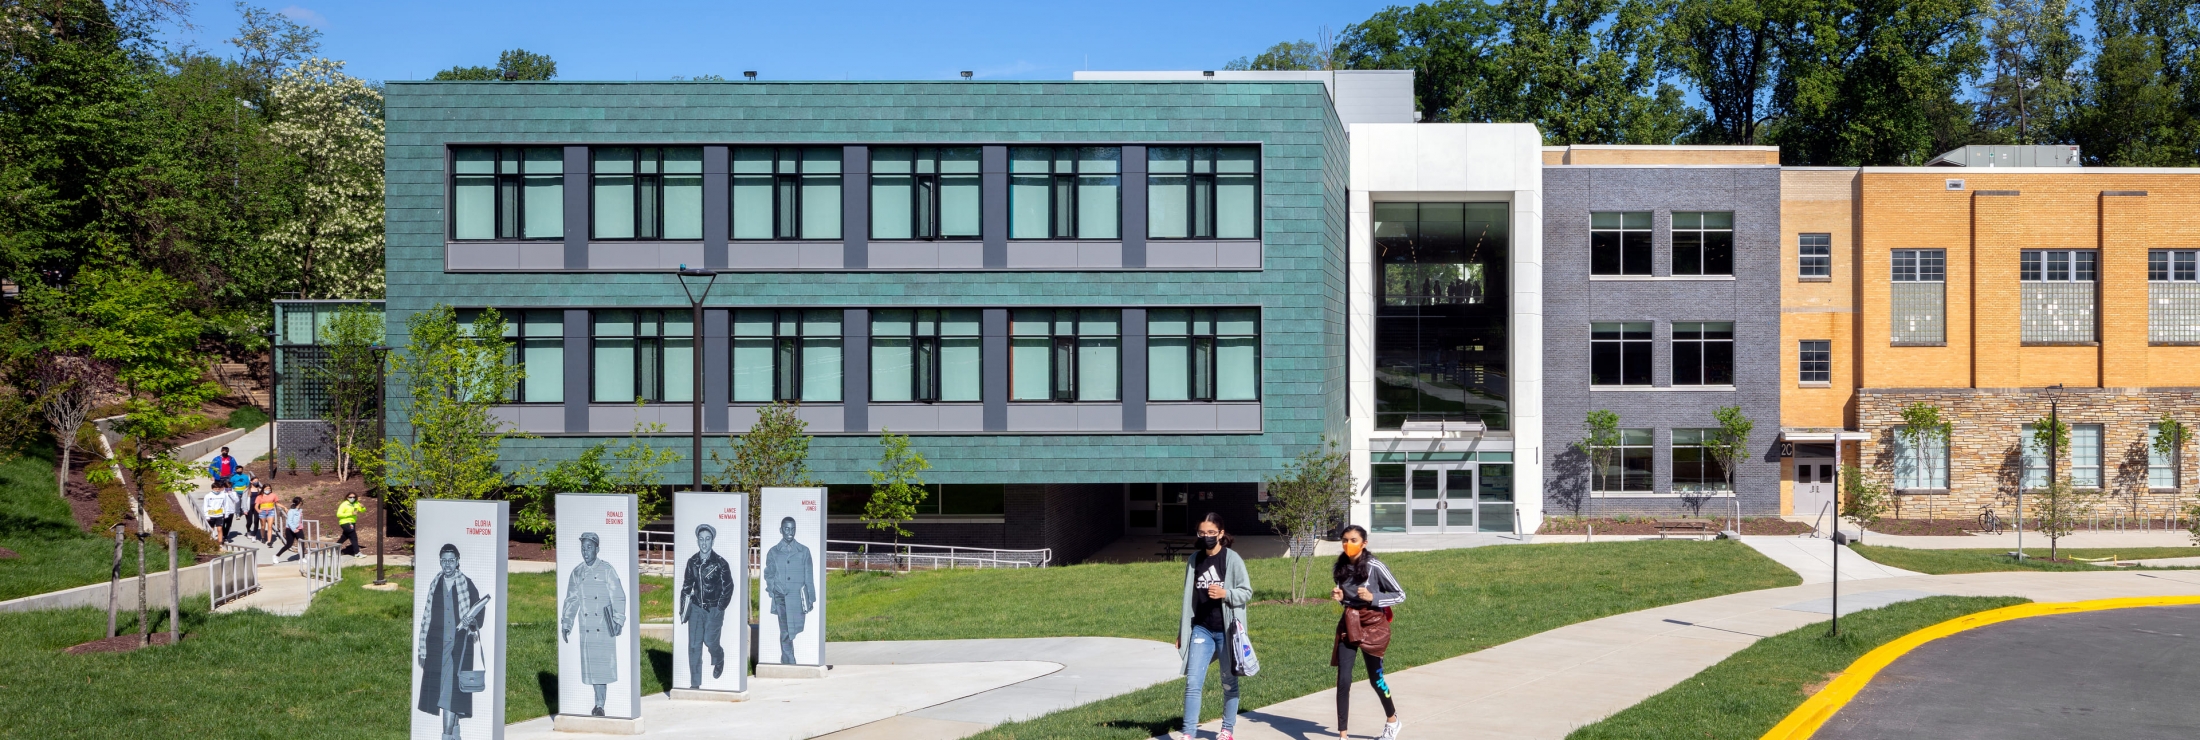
point(1367, 591)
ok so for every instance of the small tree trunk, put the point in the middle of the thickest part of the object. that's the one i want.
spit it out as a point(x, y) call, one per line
point(61, 476)
point(145, 633)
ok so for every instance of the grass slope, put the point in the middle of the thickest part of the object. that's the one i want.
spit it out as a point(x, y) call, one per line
point(1745, 695)
point(1943, 562)
point(340, 671)
point(51, 552)
point(1459, 601)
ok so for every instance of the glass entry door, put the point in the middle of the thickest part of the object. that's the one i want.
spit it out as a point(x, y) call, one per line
point(1443, 498)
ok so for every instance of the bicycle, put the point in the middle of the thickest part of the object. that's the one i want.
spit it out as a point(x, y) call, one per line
point(1989, 522)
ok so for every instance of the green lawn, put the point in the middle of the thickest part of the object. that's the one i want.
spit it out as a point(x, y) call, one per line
point(1943, 562)
point(1745, 695)
point(1459, 601)
point(52, 553)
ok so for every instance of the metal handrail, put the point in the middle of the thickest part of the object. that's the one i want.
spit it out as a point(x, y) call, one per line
point(655, 553)
point(231, 576)
point(322, 563)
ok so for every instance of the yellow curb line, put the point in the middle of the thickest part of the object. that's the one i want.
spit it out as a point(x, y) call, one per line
point(1820, 707)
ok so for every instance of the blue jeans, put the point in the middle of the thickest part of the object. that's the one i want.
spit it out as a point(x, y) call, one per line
point(1208, 647)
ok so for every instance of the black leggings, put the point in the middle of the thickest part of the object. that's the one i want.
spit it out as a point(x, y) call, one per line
point(1375, 678)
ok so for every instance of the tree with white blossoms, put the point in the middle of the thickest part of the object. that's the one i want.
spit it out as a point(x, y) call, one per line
point(328, 121)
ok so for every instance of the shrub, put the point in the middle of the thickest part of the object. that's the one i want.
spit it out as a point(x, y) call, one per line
point(246, 417)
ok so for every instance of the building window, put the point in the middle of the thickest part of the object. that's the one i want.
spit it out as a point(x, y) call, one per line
point(925, 355)
point(1816, 251)
point(643, 355)
point(1203, 192)
point(786, 355)
point(1065, 192)
point(1703, 353)
point(2161, 470)
point(1917, 298)
point(2083, 465)
point(1203, 354)
point(1619, 353)
point(1933, 474)
point(1442, 312)
point(507, 192)
point(1695, 469)
point(2058, 295)
point(2173, 296)
point(1816, 361)
point(1387, 503)
point(786, 192)
point(1619, 243)
point(537, 347)
point(1629, 468)
point(648, 192)
point(950, 500)
point(1703, 243)
point(925, 192)
point(1065, 354)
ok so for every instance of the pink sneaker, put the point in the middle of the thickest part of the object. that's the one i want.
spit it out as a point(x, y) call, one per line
point(1224, 736)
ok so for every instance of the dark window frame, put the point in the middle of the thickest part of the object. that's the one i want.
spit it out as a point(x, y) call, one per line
point(1064, 360)
point(1201, 365)
point(787, 349)
point(1814, 361)
point(649, 386)
point(1707, 257)
point(1636, 245)
point(1697, 347)
point(925, 354)
point(1814, 256)
point(508, 194)
point(1063, 196)
point(2173, 266)
point(787, 193)
point(1203, 183)
point(649, 194)
point(924, 195)
point(1919, 266)
point(2059, 265)
point(1627, 343)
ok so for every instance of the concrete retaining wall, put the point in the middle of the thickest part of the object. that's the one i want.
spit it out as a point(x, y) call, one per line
point(95, 595)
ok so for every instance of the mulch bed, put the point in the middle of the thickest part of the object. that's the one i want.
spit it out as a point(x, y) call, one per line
point(116, 644)
point(1925, 527)
point(1648, 526)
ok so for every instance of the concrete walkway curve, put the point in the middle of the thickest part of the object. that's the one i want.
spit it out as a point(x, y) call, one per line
point(1546, 685)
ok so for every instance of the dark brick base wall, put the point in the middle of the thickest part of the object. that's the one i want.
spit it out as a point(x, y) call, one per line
point(1074, 519)
point(1082, 518)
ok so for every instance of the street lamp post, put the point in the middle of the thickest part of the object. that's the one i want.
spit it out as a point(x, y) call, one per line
point(695, 381)
point(381, 474)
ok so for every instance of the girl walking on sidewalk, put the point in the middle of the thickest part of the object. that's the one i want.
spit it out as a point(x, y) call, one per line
point(1367, 591)
point(1216, 590)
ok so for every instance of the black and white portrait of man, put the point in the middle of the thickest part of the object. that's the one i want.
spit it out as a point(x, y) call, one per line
point(706, 588)
point(788, 579)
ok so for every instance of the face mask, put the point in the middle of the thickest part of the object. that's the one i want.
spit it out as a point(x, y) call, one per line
point(1207, 542)
point(1352, 549)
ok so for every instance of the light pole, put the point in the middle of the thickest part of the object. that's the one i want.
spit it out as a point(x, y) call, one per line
point(381, 477)
point(2054, 439)
point(695, 350)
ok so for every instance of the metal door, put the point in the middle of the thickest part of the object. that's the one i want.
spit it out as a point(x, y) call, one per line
point(1441, 498)
point(1459, 499)
point(1814, 487)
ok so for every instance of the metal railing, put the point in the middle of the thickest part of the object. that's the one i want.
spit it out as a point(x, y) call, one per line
point(313, 529)
point(656, 553)
point(657, 558)
point(231, 575)
point(322, 563)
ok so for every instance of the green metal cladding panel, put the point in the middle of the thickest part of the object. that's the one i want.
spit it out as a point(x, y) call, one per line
point(1301, 289)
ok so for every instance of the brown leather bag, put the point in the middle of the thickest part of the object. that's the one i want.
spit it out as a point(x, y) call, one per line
point(1365, 629)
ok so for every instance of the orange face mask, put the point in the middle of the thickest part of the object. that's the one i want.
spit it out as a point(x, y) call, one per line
point(1352, 549)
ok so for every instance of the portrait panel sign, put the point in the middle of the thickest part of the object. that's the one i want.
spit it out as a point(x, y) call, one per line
point(710, 582)
point(458, 620)
point(791, 604)
point(599, 635)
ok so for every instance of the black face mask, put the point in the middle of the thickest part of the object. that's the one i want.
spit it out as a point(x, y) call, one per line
point(1207, 542)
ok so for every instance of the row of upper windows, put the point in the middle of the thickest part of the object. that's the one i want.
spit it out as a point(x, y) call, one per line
point(1619, 353)
point(656, 193)
point(2033, 265)
point(916, 355)
point(1703, 243)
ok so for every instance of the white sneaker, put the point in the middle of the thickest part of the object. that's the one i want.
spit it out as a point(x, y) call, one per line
point(1390, 730)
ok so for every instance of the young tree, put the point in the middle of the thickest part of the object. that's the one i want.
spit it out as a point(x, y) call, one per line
point(333, 241)
point(897, 485)
point(1861, 501)
point(1599, 440)
point(348, 373)
point(2059, 505)
point(775, 452)
point(452, 375)
point(1303, 501)
point(69, 387)
point(633, 468)
point(2170, 438)
point(1926, 432)
point(1731, 445)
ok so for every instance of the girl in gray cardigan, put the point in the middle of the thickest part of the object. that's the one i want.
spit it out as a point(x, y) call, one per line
point(1216, 590)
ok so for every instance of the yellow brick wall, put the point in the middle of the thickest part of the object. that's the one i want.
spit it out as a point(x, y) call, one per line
point(1818, 202)
point(1662, 155)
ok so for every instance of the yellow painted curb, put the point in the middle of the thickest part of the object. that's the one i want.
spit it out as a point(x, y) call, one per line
point(1814, 712)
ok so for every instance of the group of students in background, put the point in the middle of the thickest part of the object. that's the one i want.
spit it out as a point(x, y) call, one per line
point(235, 494)
point(1217, 588)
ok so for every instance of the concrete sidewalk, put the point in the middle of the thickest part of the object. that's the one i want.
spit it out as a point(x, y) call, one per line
point(1547, 685)
point(1813, 559)
point(2037, 541)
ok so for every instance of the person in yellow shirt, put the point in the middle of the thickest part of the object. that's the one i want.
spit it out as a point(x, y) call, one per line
point(347, 516)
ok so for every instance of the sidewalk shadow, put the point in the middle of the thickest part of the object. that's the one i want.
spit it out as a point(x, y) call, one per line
point(660, 663)
point(549, 683)
point(1298, 729)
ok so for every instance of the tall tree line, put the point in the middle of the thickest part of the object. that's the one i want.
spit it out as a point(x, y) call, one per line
point(1832, 82)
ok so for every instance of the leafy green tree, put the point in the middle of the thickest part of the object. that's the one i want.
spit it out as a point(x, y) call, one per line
point(1926, 432)
point(67, 137)
point(1599, 440)
point(1728, 50)
point(1730, 446)
point(513, 64)
point(633, 468)
point(897, 485)
point(1447, 43)
point(1586, 72)
point(774, 453)
point(69, 385)
point(1289, 56)
point(2029, 91)
point(349, 374)
point(2170, 438)
point(1862, 81)
point(1304, 501)
point(1862, 501)
point(333, 240)
point(451, 375)
point(2140, 106)
point(268, 45)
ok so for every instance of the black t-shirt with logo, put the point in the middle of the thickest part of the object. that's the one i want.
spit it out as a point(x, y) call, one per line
point(1208, 571)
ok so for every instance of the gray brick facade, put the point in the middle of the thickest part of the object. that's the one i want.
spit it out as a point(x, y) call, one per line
point(1572, 300)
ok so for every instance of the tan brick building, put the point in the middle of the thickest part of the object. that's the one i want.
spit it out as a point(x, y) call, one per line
point(1989, 292)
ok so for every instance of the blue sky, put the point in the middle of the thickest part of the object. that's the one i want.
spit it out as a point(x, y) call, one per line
point(411, 39)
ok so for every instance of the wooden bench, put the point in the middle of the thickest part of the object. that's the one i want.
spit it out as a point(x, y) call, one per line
point(1686, 526)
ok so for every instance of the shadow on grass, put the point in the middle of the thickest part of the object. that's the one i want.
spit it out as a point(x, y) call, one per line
point(549, 683)
point(660, 662)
